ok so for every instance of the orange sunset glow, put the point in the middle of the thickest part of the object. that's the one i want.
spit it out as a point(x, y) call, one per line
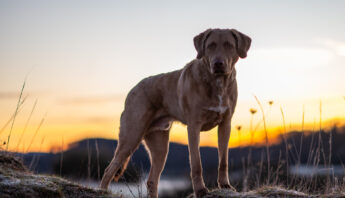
point(79, 62)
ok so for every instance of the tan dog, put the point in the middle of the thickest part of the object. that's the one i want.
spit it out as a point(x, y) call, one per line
point(202, 95)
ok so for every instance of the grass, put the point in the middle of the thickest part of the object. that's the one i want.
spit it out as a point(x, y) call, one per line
point(26, 124)
point(34, 136)
point(275, 176)
point(286, 145)
point(15, 114)
point(266, 141)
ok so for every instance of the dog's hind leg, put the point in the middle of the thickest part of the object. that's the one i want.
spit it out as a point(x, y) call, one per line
point(157, 144)
point(135, 121)
point(120, 160)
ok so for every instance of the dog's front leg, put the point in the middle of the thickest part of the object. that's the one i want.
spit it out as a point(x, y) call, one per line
point(223, 140)
point(194, 160)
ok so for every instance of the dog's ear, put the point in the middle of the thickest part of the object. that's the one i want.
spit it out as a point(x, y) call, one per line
point(242, 43)
point(199, 42)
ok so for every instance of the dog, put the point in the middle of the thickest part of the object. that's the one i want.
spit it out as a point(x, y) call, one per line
point(201, 95)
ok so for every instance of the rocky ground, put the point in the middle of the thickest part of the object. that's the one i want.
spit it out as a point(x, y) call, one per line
point(262, 192)
point(268, 191)
point(17, 181)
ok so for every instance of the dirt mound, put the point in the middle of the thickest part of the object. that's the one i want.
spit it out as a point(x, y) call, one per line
point(17, 181)
point(265, 191)
point(259, 193)
point(9, 161)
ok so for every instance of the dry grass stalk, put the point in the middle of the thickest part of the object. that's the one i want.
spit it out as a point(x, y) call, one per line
point(239, 127)
point(88, 160)
point(97, 156)
point(286, 146)
point(33, 137)
point(26, 124)
point(15, 115)
point(61, 155)
point(301, 140)
point(266, 140)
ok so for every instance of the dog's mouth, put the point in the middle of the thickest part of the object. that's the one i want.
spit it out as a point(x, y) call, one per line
point(219, 71)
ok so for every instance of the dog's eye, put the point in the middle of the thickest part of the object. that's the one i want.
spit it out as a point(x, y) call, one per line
point(211, 46)
point(227, 45)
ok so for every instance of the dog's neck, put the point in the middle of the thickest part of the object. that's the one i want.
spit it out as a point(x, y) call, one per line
point(217, 84)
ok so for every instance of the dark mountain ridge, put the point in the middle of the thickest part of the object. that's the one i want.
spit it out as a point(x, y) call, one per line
point(84, 160)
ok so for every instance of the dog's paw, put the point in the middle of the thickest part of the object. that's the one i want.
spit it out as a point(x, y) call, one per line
point(227, 186)
point(201, 193)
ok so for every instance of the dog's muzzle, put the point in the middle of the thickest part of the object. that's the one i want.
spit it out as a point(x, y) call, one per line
point(219, 67)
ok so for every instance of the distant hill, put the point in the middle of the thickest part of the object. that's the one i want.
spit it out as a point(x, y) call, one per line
point(81, 160)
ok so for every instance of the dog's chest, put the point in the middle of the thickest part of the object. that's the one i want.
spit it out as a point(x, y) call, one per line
point(219, 108)
point(213, 113)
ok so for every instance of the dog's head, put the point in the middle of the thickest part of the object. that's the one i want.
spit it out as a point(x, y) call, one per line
point(221, 48)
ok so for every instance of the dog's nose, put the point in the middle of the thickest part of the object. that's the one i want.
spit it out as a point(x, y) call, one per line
point(218, 67)
point(218, 64)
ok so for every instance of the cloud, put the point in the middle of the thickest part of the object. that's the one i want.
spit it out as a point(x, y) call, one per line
point(293, 57)
point(68, 119)
point(337, 46)
point(9, 95)
point(99, 119)
point(15, 95)
point(85, 100)
point(286, 72)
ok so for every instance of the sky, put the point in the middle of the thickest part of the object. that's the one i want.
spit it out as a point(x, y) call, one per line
point(79, 59)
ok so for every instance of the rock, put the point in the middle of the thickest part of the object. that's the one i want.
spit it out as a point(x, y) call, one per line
point(17, 181)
